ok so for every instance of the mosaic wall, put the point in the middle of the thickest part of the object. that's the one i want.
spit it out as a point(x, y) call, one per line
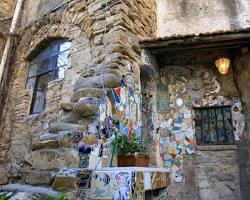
point(126, 184)
point(110, 185)
point(174, 126)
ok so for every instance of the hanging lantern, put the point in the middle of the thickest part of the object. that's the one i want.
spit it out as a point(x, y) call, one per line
point(223, 65)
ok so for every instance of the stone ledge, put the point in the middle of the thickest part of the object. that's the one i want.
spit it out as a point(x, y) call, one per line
point(216, 147)
point(30, 189)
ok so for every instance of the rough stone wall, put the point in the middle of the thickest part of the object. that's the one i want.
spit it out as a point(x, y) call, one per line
point(6, 12)
point(242, 70)
point(33, 146)
point(37, 9)
point(217, 174)
point(150, 73)
point(2, 44)
point(7, 7)
point(180, 17)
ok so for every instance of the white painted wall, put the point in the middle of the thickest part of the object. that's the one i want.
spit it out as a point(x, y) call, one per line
point(181, 17)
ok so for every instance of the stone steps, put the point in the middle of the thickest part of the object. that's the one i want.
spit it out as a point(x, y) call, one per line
point(51, 141)
point(43, 191)
point(86, 106)
point(108, 80)
point(47, 144)
point(53, 159)
point(87, 92)
point(38, 177)
point(62, 126)
point(67, 179)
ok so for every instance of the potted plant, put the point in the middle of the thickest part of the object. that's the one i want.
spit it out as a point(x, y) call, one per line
point(130, 152)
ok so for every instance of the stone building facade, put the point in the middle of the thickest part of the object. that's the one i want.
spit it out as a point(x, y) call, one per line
point(6, 13)
point(137, 40)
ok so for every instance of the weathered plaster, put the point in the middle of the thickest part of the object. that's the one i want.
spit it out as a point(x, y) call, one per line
point(181, 17)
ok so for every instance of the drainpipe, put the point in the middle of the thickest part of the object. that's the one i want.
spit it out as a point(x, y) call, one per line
point(12, 32)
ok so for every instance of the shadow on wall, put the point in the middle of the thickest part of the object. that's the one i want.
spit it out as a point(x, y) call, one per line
point(242, 72)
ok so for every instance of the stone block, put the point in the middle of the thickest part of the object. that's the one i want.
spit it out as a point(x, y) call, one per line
point(40, 177)
point(3, 178)
point(208, 194)
point(64, 183)
point(86, 106)
point(70, 117)
point(49, 136)
point(108, 80)
point(25, 196)
point(66, 105)
point(65, 142)
point(61, 126)
point(225, 177)
point(204, 184)
point(87, 92)
point(49, 159)
point(222, 190)
point(49, 144)
point(44, 191)
point(71, 157)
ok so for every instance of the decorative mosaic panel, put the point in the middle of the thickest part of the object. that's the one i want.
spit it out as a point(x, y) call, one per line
point(126, 184)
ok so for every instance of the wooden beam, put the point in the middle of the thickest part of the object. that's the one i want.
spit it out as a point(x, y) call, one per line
point(229, 41)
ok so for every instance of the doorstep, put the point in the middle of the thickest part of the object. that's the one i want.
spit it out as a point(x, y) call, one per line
point(127, 182)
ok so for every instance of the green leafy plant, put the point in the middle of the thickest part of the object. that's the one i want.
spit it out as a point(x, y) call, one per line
point(4, 196)
point(125, 146)
point(62, 197)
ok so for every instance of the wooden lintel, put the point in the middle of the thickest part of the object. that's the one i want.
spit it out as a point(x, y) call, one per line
point(161, 46)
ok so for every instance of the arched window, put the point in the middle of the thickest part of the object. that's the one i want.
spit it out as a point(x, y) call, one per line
point(48, 65)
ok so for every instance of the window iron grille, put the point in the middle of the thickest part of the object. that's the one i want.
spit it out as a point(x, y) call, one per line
point(213, 125)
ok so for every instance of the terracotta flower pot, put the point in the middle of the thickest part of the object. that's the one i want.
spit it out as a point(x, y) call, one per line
point(133, 160)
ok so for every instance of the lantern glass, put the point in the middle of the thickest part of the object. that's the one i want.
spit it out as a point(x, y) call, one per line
point(223, 65)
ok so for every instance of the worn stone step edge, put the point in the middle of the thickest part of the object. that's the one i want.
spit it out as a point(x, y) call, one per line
point(30, 189)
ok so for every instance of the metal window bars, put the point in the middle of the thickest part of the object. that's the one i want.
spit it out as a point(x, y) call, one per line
point(213, 125)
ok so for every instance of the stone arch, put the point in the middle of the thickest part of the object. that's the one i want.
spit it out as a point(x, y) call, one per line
point(32, 40)
point(47, 34)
